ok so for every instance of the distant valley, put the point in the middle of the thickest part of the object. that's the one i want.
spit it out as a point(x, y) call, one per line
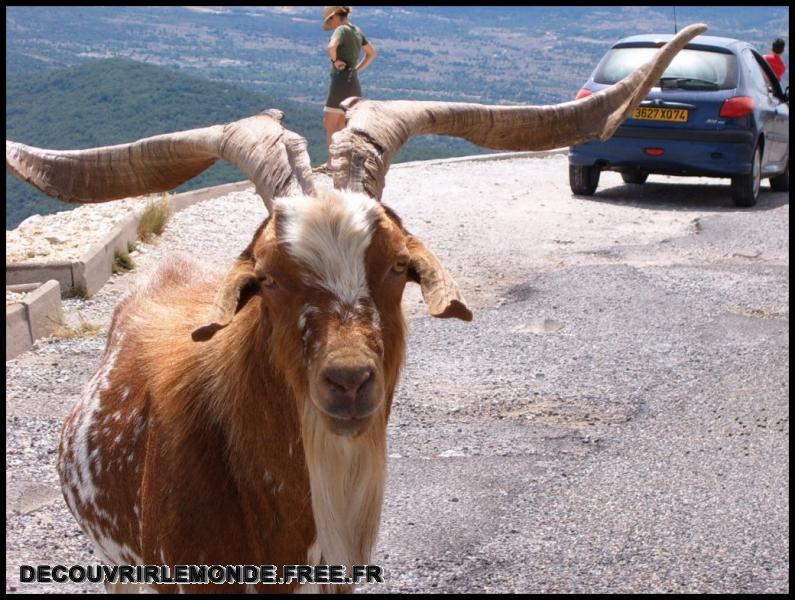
point(112, 101)
point(503, 54)
point(88, 76)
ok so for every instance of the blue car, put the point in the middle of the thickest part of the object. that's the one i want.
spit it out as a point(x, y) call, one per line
point(718, 111)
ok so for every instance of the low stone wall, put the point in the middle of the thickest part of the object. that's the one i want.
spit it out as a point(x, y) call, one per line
point(38, 313)
point(482, 157)
point(35, 316)
point(86, 276)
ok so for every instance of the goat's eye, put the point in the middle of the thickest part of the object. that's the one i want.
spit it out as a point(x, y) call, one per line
point(401, 265)
point(266, 280)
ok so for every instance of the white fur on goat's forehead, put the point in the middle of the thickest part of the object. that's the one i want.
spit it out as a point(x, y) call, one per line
point(330, 236)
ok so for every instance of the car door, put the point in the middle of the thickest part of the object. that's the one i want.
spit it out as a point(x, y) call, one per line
point(780, 101)
point(771, 112)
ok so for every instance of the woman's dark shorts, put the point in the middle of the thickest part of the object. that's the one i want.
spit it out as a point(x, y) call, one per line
point(344, 84)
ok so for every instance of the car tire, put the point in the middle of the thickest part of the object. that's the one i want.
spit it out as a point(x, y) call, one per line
point(745, 188)
point(637, 177)
point(780, 183)
point(583, 180)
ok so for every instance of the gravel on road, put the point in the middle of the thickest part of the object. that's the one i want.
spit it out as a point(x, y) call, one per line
point(615, 418)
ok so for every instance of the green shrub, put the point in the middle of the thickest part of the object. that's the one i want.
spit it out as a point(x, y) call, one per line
point(122, 261)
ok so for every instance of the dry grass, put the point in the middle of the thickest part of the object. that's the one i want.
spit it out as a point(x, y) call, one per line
point(78, 291)
point(85, 329)
point(154, 219)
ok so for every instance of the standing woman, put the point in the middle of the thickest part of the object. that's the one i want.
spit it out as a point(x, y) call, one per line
point(344, 49)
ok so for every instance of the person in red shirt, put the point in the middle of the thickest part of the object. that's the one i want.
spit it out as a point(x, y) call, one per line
point(774, 59)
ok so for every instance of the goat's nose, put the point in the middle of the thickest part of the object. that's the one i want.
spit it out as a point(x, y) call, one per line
point(348, 381)
point(351, 392)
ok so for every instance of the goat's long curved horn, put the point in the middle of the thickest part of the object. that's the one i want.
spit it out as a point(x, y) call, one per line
point(273, 158)
point(362, 152)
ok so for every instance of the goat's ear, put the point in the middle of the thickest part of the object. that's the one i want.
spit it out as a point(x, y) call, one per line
point(439, 290)
point(237, 289)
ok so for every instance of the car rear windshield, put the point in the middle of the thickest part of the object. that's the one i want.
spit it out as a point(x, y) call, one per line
point(690, 69)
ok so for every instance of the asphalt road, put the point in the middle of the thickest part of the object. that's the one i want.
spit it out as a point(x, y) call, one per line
point(615, 419)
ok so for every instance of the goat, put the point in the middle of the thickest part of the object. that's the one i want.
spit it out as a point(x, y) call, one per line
point(240, 418)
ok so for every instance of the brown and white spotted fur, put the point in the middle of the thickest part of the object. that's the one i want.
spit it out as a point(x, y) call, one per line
point(265, 441)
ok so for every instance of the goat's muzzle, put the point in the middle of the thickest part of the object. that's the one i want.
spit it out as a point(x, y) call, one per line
point(348, 395)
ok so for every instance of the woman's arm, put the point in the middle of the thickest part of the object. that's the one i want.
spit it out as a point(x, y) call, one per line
point(332, 53)
point(369, 56)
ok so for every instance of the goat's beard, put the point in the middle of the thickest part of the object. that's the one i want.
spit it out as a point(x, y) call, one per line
point(347, 476)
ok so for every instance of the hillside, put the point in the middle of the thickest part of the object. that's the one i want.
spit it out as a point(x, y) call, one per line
point(490, 54)
point(195, 66)
point(117, 100)
point(113, 101)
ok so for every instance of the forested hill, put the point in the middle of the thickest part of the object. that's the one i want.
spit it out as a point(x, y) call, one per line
point(114, 101)
point(200, 65)
point(117, 100)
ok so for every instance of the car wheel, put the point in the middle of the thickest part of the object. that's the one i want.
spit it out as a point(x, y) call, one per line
point(634, 177)
point(780, 183)
point(745, 188)
point(583, 180)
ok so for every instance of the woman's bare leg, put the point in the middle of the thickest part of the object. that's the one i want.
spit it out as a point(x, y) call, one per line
point(333, 122)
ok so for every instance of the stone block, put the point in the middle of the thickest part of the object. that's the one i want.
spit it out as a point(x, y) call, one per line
point(44, 309)
point(60, 271)
point(18, 338)
point(94, 269)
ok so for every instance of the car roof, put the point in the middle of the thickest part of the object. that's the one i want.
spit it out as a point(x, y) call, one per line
point(706, 40)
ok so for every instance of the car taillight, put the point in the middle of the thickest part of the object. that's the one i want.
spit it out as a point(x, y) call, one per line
point(739, 106)
point(654, 151)
point(583, 93)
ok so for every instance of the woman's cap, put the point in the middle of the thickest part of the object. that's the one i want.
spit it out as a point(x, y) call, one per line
point(330, 11)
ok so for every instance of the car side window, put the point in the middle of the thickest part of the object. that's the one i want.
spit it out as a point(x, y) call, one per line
point(754, 72)
point(760, 78)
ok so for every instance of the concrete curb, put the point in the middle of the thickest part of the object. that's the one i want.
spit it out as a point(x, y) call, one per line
point(26, 273)
point(186, 199)
point(86, 276)
point(41, 310)
point(35, 316)
point(481, 157)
